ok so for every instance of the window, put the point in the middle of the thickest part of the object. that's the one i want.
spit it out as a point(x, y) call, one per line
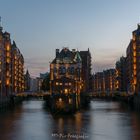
point(66, 91)
point(60, 70)
point(57, 83)
point(8, 48)
point(68, 69)
point(72, 70)
point(78, 71)
point(64, 70)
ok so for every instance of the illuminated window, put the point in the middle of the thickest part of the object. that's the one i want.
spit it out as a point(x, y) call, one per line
point(134, 59)
point(8, 54)
point(8, 47)
point(8, 60)
point(134, 72)
point(66, 90)
point(134, 47)
point(134, 53)
point(7, 73)
point(7, 81)
point(134, 66)
point(135, 81)
point(117, 73)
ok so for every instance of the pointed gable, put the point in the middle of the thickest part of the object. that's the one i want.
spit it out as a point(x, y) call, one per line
point(77, 57)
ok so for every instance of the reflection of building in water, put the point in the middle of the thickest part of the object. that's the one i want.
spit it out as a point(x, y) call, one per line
point(74, 124)
point(135, 122)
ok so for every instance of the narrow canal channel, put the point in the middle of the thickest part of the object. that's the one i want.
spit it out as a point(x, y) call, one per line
point(102, 120)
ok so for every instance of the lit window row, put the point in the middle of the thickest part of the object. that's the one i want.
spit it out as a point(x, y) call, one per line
point(66, 84)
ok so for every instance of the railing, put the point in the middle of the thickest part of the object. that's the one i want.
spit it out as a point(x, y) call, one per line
point(34, 94)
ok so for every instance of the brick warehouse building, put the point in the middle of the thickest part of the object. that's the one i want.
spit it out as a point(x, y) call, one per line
point(66, 77)
point(11, 66)
point(133, 62)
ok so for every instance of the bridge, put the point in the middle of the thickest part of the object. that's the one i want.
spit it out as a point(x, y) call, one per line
point(132, 100)
point(32, 94)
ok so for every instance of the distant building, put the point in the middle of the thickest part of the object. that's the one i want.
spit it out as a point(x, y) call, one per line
point(104, 82)
point(27, 81)
point(39, 84)
point(110, 80)
point(99, 82)
point(86, 70)
point(121, 75)
point(33, 84)
point(44, 75)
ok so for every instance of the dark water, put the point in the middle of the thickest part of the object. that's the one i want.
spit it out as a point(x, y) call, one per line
point(101, 121)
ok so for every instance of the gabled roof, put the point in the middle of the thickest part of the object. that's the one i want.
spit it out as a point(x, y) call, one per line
point(67, 56)
point(77, 57)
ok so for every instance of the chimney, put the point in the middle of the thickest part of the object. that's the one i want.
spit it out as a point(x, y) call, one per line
point(57, 53)
point(73, 50)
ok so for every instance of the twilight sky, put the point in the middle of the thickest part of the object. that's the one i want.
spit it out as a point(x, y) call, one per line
point(40, 26)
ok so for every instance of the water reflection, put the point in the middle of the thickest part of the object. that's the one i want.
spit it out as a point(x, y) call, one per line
point(101, 121)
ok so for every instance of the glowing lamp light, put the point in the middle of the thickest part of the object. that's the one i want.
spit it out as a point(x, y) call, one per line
point(66, 90)
point(60, 99)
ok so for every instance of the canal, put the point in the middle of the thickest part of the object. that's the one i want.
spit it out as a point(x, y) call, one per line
point(102, 120)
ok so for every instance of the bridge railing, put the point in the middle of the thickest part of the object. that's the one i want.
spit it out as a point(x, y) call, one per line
point(25, 94)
